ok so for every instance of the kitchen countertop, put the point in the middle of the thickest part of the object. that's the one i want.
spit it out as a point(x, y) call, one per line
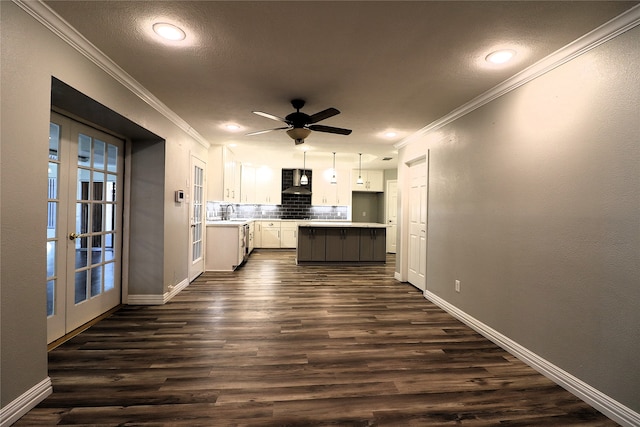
point(230, 222)
point(343, 224)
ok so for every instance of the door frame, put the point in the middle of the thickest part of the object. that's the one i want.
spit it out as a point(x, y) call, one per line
point(72, 124)
point(386, 213)
point(195, 269)
point(404, 186)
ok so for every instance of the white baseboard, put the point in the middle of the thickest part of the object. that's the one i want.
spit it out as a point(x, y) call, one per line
point(24, 403)
point(157, 299)
point(605, 404)
point(397, 276)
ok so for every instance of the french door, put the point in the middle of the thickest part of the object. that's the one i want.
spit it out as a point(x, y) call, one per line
point(418, 224)
point(196, 237)
point(84, 228)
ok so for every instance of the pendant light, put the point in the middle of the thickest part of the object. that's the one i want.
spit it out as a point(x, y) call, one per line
point(360, 181)
point(333, 178)
point(303, 179)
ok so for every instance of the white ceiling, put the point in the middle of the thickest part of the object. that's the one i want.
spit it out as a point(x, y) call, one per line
point(386, 65)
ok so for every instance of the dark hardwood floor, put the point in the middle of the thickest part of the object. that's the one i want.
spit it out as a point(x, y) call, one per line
point(275, 344)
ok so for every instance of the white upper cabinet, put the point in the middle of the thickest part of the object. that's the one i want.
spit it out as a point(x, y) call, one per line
point(262, 185)
point(248, 184)
point(231, 178)
point(373, 180)
point(324, 193)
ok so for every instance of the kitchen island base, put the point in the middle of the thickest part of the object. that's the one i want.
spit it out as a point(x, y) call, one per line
point(341, 243)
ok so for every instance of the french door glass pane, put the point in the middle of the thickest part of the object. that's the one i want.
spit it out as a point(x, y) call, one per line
point(82, 218)
point(98, 186)
point(109, 252)
point(51, 258)
point(96, 281)
point(80, 286)
point(54, 141)
point(98, 151)
point(52, 216)
point(51, 287)
point(110, 217)
point(84, 150)
point(96, 220)
point(81, 252)
point(111, 188)
point(112, 158)
point(84, 176)
point(109, 279)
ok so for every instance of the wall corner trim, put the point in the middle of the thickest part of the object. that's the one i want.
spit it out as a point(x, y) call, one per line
point(602, 402)
point(607, 31)
point(156, 299)
point(61, 28)
point(25, 402)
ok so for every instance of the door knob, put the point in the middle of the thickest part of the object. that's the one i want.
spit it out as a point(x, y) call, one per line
point(73, 236)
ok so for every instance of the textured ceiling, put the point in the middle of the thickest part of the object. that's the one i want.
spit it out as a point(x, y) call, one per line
point(386, 65)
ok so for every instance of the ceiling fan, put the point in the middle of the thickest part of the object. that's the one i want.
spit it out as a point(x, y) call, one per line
point(300, 125)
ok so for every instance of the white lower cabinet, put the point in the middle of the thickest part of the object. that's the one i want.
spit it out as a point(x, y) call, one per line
point(225, 248)
point(270, 234)
point(289, 234)
point(276, 234)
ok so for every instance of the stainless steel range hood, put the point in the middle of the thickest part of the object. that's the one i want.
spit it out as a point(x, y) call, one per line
point(296, 188)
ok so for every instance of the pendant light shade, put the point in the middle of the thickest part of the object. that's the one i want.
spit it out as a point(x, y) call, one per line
point(360, 181)
point(303, 179)
point(334, 180)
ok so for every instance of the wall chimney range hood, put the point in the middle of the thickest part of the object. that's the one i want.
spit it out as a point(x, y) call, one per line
point(295, 187)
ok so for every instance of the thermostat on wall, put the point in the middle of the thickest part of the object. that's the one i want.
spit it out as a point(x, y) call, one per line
point(179, 196)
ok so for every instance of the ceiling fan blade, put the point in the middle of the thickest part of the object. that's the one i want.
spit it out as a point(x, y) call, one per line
point(265, 131)
point(330, 129)
point(324, 114)
point(269, 116)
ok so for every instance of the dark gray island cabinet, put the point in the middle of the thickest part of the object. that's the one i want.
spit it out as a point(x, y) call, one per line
point(342, 243)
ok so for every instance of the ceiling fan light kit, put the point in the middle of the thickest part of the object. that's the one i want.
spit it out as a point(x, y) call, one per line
point(300, 125)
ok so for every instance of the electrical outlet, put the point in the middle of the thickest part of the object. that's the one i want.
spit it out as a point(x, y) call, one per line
point(364, 213)
point(457, 285)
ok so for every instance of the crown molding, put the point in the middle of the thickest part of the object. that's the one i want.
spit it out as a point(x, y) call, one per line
point(61, 28)
point(591, 40)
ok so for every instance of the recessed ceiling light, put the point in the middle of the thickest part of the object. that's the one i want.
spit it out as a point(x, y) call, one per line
point(390, 134)
point(169, 31)
point(232, 127)
point(500, 56)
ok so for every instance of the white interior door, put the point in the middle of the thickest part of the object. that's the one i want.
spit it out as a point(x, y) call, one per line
point(84, 234)
point(391, 194)
point(418, 224)
point(196, 236)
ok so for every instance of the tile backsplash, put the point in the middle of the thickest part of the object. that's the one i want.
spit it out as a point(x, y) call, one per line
point(292, 207)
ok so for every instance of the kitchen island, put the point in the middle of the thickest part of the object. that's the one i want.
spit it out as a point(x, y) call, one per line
point(351, 243)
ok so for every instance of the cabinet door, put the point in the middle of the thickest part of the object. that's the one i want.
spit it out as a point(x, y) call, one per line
point(373, 244)
point(248, 184)
point(268, 186)
point(343, 193)
point(351, 244)
point(270, 235)
point(343, 244)
point(375, 181)
point(311, 244)
point(289, 235)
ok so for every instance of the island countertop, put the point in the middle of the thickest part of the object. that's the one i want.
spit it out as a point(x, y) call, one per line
point(331, 224)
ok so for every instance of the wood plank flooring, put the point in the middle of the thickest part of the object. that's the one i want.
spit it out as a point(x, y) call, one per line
point(275, 344)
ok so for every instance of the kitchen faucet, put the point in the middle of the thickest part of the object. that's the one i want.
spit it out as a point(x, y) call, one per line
point(225, 212)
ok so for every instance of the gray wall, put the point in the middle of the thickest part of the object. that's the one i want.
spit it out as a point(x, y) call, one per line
point(534, 205)
point(30, 55)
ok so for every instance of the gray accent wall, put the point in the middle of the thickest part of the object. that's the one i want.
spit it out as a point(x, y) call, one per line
point(30, 56)
point(534, 205)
